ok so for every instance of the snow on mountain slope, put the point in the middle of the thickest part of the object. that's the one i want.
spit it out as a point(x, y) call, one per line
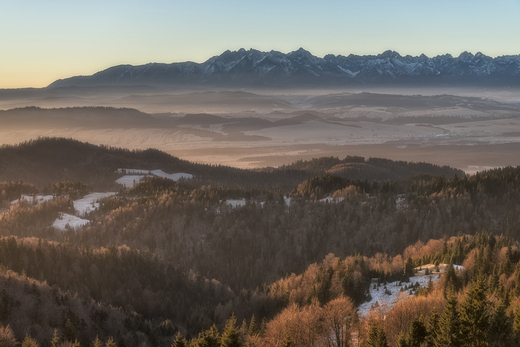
point(249, 67)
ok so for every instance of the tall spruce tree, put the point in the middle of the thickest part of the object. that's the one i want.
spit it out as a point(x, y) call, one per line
point(516, 325)
point(97, 342)
point(110, 342)
point(29, 342)
point(451, 281)
point(517, 280)
point(449, 325)
point(417, 333)
point(55, 342)
point(253, 328)
point(208, 338)
point(231, 336)
point(433, 328)
point(500, 330)
point(179, 341)
point(376, 335)
point(474, 315)
point(401, 340)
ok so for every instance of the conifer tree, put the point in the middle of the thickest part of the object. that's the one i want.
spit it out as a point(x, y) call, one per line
point(110, 342)
point(408, 269)
point(97, 342)
point(376, 336)
point(493, 281)
point(451, 282)
point(55, 339)
point(29, 342)
point(432, 328)
point(263, 326)
point(474, 316)
point(517, 280)
point(401, 340)
point(500, 331)
point(417, 333)
point(244, 329)
point(516, 325)
point(179, 341)
point(253, 329)
point(449, 325)
point(208, 338)
point(231, 336)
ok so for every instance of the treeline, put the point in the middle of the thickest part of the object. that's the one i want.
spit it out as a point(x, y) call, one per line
point(10, 191)
point(371, 169)
point(49, 160)
point(73, 190)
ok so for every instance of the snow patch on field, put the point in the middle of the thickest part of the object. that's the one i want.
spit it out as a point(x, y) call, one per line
point(133, 171)
point(381, 298)
point(66, 221)
point(236, 203)
point(81, 206)
point(133, 176)
point(30, 198)
point(90, 202)
point(331, 199)
point(128, 181)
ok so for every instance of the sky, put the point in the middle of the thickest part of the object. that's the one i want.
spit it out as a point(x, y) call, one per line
point(41, 41)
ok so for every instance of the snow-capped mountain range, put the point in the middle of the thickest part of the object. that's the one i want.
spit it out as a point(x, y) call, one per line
point(300, 68)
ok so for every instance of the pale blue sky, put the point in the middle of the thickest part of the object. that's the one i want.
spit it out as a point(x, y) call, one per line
point(41, 41)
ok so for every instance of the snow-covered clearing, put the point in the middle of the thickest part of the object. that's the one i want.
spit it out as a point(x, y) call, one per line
point(381, 298)
point(81, 206)
point(133, 176)
point(65, 221)
point(128, 181)
point(175, 176)
point(89, 202)
point(32, 198)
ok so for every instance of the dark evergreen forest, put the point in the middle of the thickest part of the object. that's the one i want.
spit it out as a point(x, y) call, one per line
point(172, 263)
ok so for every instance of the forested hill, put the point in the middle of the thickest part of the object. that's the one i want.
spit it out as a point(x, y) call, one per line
point(49, 160)
point(371, 169)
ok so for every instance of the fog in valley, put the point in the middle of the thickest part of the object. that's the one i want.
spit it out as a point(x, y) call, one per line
point(470, 129)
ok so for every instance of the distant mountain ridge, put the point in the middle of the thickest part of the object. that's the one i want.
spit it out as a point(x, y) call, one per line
point(297, 68)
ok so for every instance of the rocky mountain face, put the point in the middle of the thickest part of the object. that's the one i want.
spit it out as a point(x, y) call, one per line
point(300, 68)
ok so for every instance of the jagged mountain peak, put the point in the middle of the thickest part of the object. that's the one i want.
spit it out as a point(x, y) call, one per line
point(389, 54)
point(466, 56)
point(300, 67)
